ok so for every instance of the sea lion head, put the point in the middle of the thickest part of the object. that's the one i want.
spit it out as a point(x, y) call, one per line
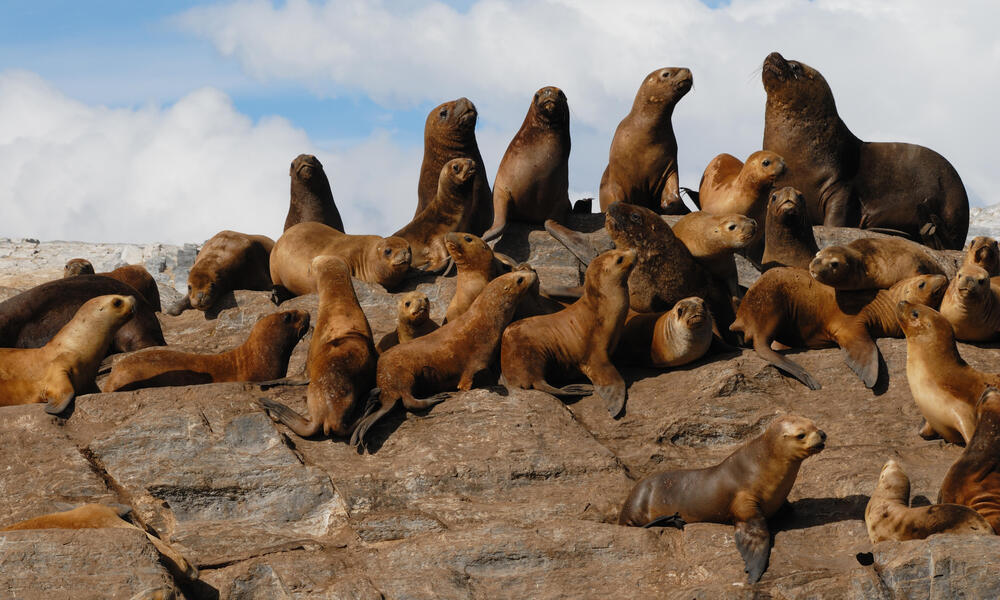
point(517, 282)
point(550, 105)
point(922, 322)
point(457, 173)
point(82, 266)
point(112, 310)
point(796, 86)
point(296, 322)
point(982, 251)
point(971, 283)
point(414, 307)
point(665, 87)
point(631, 224)
point(836, 266)
point(893, 482)
point(610, 268)
point(305, 167)
point(392, 260)
point(797, 437)
point(922, 289)
point(788, 205)
point(735, 231)
point(203, 290)
point(766, 166)
point(454, 119)
point(691, 314)
point(468, 250)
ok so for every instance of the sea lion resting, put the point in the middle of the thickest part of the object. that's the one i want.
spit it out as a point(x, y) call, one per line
point(228, 261)
point(872, 263)
point(712, 240)
point(134, 275)
point(788, 236)
point(974, 479)
point(983, 252)
point(676, 337)
point(972, 305)
point(413, 320)
point(311, 198)
point(745, 489)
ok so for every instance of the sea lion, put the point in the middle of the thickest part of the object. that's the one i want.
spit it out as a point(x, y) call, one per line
point(974, 479)
point(449, 211)
point(99, 516)
point(944, 387)
point(413, 320)
point(532, 183)
point(676, 337)
point(972, 305)
point(311, 198)
point(372, 259)
point(33, 317)
point(851, 183)
point(730, 186)
point(581, 337)
point(78, 266)
point(642, 163)
point(712, 239)
point(342, 358)
point(788, 236)
point(262, 357)
point(134, 275)
point(983, 252)
point(476, 267)
point(228, 261)
point(888, 515)
point(450, 132)
point(788, 306)
point(872, 263)
point(746, 488)
point(447, 358)
point(66, 366)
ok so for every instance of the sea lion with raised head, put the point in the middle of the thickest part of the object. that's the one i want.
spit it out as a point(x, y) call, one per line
point(730, 186)
point(713, 239)
point(228, 261)
point(789, 240)
point(746, 488)
point(974, 479)
point(983, 252)
point(134, 275)
point(972, 305)
point(872, 263)
point(413, 320)
point(477, 265)
point(311, 198)
point(676, 337)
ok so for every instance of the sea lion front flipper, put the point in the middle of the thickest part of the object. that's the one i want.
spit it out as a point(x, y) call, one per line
point(300, 425)
point(673, 520)
point(861, 355)
point(59, 392)
point(927, 432)
point(764, 351)
point(614, 397)
point(754, 543)
point(576, 242)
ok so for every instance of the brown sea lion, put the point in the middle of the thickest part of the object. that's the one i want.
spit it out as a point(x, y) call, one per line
point(262, 357)
point(99, 516)
point(888, 515)
point(983, 252)
point(851, 183)
point(447, 358)
point(450, 132)
point(974, 479)
point(788, 306)
point(872, 263)
point(413, 320)
point(944, 387)
point(788, 236)
point(532, 183)
point(134, 275)
point(712, 239)
point(228, 261)
point(342, 358)
point(972, 305)
point(78, 266)
point(372, 259)
point(579, 338)
point(449, 211)
point(477, 266)
point(33, 317)
point(642, 164)
point(676, 337)
point(730, 186)
point(66, 366)
point(746, 488)
point(311, 198)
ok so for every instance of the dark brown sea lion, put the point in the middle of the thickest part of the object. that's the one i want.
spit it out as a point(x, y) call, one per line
point(449, 211)
point(851, 183)
point(450, 132)
point(579, 338)
point(713, 239)
point(667, 339)
point(342, 358)
point(311, 198)
point(228, 261)
point(477, 265)
point(786, 305)
point(642, 164)
point(730, 186)
point(788, 235)
point(974, 479)
point(66, 366)
point(134, 275)
point(972, 305)
point(872, 263)
point(33, 317)
point(413, 320)
point(745, 489)
point(888, 515)
point(447, 358)
point(532, 183)
point(262, 357)
point(78, 266)
point(983, 251)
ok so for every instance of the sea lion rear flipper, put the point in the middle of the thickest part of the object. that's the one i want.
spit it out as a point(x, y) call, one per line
point(575, 242)
point(375, 409)
point(764, 351)
point(754, 543)
point(861, 355)
point(505, 260)
point(673, 520)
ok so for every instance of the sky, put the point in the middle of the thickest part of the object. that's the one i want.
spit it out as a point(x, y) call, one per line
point(125, 121)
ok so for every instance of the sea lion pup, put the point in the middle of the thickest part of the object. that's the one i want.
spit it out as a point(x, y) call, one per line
point(477, 265)
point(580, 337)
point(311, 198)
point(262, 357)
point(971, 305)
point(974, 479)
point(67, 365)
point(372, 259)
point(788, 236)
point(228, 261)
point(983, 252)
point(851, 183)
point(944, 387)
point(449, 211)
point(730, 186)
point(134, 275)
point(712, 239)
point(341, 364)
point(788, 306)
point(532, 183)
point(447, 358)
point(642, 164)
point(99, 516)
point(888, 515)
point(872, 263)
point(413, 321)
point(745, 489)
point(450, 132)
point(676, 337)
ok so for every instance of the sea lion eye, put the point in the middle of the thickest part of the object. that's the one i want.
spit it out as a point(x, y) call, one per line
point(635, 217)
point(665, 74)
point(774, 197)
point(913, 314)
point(117, 303)
point(189, 288)
point(680, 311)
point(468, 239)
point(619, 261)
point(407, 304)
point(520, 279)
point(921, 286)
point(443, 113)
point(801, 436)
point(456, 168)
point(388, 251)
point(287, 318)
point(766, 162)
point(732, 226)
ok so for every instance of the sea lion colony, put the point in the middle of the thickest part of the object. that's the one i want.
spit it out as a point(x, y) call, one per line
point(665, 291)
